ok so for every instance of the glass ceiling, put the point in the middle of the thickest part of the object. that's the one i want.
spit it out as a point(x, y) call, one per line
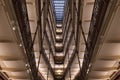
point(59, 9)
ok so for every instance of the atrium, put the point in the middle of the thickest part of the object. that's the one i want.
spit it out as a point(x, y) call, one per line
point(59, 39)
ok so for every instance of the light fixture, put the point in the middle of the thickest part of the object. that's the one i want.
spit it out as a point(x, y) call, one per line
point(59, 73)
point(26, 65)
point(20, 45)
point(90, 65)
point(28, 71)
point(14, 28)
point(87, 71)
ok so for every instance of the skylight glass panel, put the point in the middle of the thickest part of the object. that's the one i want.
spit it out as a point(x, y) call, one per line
point(59, 9)
point(59, 2)
point(59, 12)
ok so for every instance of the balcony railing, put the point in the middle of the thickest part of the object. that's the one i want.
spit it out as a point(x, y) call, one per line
point(99, 11)
point(22, 17)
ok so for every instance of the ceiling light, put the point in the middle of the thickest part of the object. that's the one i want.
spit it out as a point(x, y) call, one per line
point(90, 65)
point(87, 71)
point(28, 71)
point(59, 73)
point(20, 44)
point(14, 28)
point(26, 65)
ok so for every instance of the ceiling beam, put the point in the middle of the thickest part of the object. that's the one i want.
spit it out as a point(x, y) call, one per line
point(113, 41)
point(29, 3)
point(6, 41)
point(31, 20)
point(111, 58)
point(14, 69)
point(106, 69)
point(7, 58)
point(18, 77)
point(86, 20)
point(89, 3)
point(99, 77)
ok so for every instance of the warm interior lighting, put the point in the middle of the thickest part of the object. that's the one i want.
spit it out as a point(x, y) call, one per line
point(58, 30)
point(59, 44)
point(59, 54)
point(87, 71)
point(58, 37)
point(59, 25)
point(59, 71)
point(26, 65)
point(20, 44)
point(14, 28)
point(28, 71)
point(58, 66)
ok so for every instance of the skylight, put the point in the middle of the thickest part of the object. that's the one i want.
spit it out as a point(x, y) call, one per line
point(59, 9)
